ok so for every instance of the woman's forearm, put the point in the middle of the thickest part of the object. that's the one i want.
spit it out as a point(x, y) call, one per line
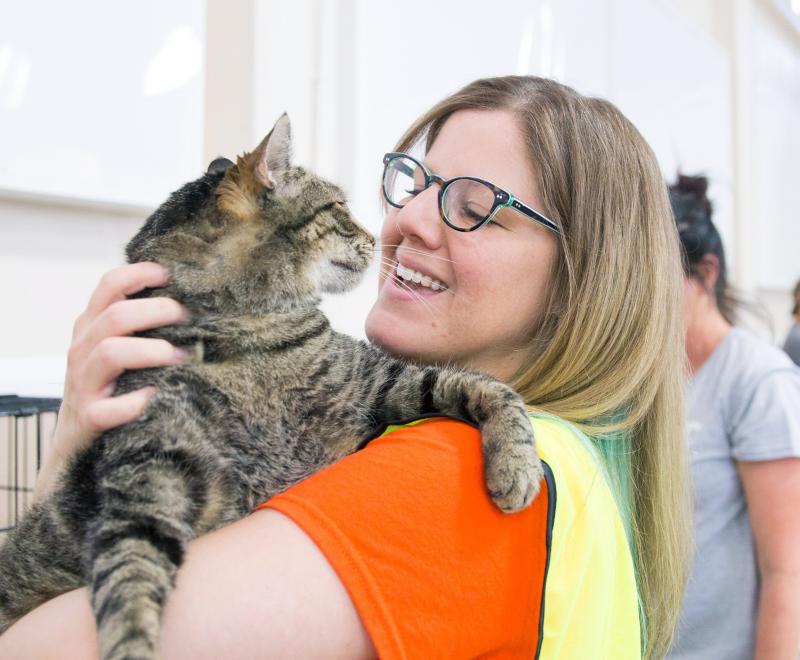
point(61, 628)
point(48, 475)
point(778, 631)
point(258, 588)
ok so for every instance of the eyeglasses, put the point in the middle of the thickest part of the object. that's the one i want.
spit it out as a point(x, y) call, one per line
point(466, 203)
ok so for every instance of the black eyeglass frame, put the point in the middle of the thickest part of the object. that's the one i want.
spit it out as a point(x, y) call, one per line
point(502, 198)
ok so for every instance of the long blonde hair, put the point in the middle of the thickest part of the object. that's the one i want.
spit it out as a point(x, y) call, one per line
point(607, 354)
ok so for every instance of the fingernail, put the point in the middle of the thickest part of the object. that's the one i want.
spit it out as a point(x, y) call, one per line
point(150, 391)
point(181, 354)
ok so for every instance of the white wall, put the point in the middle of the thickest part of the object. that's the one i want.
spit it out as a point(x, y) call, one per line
point(777, 151)
point(679, 98)
point(50, 260)
point(99, 100)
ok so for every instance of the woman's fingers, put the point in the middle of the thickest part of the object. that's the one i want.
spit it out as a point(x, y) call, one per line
point(106, 413)
point(113, 355)
point(101, 350)
point(116, 284)
point(128, 316)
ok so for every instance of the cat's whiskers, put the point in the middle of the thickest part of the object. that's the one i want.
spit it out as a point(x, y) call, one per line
point(384, 274)
point(416, 296)
point(379, 247)
point(392, 265)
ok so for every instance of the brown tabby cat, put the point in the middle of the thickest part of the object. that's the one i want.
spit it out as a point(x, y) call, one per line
point(273, 395)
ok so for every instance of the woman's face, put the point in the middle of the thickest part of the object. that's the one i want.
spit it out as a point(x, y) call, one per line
point(495, 279)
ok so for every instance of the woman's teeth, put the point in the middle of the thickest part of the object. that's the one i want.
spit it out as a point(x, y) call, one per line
point(410, 275)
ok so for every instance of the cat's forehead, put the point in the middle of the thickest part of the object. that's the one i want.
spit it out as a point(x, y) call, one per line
point(300, 181)
point(240, 195)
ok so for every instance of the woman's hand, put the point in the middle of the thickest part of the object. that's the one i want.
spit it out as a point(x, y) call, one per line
point(101, 350)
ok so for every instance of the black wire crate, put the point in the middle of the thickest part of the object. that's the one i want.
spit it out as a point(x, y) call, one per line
point(26, 432)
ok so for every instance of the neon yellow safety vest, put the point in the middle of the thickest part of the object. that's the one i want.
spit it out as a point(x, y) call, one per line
point(591, 598)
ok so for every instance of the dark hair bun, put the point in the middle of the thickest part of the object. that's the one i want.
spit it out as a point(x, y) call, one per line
point(689, 202)
point(699, 237)
point(691, 185)
point(692, 210)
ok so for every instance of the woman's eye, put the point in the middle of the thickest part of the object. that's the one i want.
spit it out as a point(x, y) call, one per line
point(473, 214)
point(415, 191)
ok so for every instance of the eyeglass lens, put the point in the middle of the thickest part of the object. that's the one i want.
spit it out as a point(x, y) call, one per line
point(466, 202)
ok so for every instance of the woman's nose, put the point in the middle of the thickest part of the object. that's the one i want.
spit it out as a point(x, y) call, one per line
point(419, 219)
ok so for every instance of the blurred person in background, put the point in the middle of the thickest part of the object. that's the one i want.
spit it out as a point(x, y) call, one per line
point(792, 343)
point(743, 419)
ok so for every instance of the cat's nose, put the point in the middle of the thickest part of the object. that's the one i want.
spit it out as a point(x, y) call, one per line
point(366, 235)
point(367, 247)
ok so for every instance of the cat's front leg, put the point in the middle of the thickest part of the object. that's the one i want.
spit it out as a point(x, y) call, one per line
point(161, 484)
point(135, 547)
point(512, 468)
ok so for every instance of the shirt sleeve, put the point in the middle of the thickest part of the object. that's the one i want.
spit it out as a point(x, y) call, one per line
point(434, 569)
point(767, 424)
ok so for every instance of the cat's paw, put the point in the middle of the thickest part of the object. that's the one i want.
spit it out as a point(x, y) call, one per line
point(512, 469)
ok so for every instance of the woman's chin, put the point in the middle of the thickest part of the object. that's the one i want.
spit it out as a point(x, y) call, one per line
point(380, 331)
point(391, 335)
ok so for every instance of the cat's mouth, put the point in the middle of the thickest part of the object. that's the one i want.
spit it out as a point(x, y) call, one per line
point(353, 268)
point(340, 275)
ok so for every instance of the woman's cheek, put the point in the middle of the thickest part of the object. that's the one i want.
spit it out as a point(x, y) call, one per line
point(390, 232)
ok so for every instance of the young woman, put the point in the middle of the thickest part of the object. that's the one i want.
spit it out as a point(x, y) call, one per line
point(567, 288)
point(744, 437)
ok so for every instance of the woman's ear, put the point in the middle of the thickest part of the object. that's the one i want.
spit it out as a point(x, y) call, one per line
point(708, 271)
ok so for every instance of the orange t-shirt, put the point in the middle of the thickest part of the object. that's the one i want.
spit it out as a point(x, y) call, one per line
point(434, 569)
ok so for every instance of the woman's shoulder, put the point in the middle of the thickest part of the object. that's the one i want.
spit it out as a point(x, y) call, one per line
point(572, 467)
point(564, 447)
point(567, 454)
point(744, 378)
point(754, 358)
point(410, 529)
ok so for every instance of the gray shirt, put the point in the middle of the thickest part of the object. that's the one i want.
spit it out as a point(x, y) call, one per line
point(743, 405)
point(792, 345)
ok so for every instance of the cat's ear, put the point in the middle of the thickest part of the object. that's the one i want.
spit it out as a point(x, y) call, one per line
point(274, 153)
point(219, 165)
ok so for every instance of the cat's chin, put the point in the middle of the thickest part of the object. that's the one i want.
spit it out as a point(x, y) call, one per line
point(340, 277)
point(340, 285)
